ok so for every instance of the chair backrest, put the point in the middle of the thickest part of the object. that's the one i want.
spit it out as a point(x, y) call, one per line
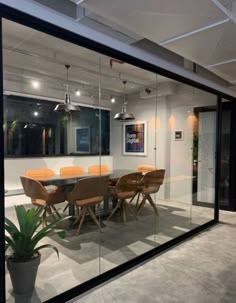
point(97, 169)
point(145, 168)
point(40, 173)
point(154, 178)
point(129, 182)
point(33, 188)
point(89, 187)
point(71, 170)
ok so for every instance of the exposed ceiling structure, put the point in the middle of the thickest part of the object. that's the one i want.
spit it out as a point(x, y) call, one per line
point(202, 31)
point(32, 55)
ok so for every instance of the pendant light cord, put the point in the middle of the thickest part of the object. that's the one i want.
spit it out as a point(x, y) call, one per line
point(67, 77)
point(125, 102)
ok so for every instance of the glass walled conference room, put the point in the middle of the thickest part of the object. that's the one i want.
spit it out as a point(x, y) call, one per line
point(130, 153)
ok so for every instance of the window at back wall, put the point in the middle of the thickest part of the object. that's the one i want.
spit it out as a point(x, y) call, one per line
point(32, 128)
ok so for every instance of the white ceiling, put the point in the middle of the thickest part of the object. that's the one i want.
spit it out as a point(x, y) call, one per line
point(203, 31)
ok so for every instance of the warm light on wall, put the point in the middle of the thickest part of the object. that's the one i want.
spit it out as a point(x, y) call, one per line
point(191, 121)
point(155, 122)
point(171, 122)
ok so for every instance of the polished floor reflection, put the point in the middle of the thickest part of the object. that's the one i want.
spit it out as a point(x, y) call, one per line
point(200, 270)
point(85, 256)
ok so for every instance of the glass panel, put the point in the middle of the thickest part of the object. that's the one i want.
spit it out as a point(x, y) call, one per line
point(204, 150)
point(129, 226)
point(142, 181)
point(35, 81)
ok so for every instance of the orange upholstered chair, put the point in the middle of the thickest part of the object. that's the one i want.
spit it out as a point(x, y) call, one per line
point(71, 170)
point(125, 188)
point(151, 183)
point(87, 193)
point(39, 173)
point(145, 168)
point(40, 196)
point(97, 169)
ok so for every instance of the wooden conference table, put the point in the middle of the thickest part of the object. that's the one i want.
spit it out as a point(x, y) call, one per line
point(69, 180)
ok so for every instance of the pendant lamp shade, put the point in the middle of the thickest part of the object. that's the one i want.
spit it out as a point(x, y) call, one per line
point(67, 106)
point(123, 115)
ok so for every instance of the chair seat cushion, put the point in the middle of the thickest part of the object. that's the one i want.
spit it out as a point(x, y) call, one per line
point(91, 200)
point(38, 202)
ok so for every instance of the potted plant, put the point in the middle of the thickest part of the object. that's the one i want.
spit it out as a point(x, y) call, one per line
point(23, 241)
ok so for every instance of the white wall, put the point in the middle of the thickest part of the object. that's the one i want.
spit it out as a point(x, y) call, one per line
point(173, 113)
point(17, 167)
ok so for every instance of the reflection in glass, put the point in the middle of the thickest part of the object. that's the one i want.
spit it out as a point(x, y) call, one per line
point(54, 133)
point(143, 182)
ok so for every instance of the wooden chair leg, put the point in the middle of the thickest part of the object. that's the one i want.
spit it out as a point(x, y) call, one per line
point(123, 206)
point(130, 201)
point(138, 199)
point(78, 216)
point(152, 204)
point(56, 211)
point(44, 215)
point(92, 214)
point(129, 209)
point(83, 212)
point(67, 205)
point(141, 205)
point(49, 211)
point(114, 210)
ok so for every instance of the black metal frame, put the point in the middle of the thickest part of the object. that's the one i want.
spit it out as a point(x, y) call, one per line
point(231, 107)
point(30, 21)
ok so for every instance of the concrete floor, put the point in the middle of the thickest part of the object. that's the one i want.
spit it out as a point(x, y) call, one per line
point(200, 270)
point(85, 256)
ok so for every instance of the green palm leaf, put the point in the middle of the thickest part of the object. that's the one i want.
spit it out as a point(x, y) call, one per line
point(23, 240)
point(37, 249)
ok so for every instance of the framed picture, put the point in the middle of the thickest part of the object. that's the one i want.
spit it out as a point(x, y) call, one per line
point(179, 135)
point(135, 138)
point(82, 140)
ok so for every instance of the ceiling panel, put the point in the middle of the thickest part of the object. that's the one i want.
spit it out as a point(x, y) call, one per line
point(226, 71)
point(208, 47)
point(158, 20)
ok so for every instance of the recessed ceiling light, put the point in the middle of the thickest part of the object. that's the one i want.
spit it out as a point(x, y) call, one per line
point(36, 114)
point(78, 93)
point(35, 84)
point(113, 100)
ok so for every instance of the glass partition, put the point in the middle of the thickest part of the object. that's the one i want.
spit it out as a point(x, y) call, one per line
point(130, 159)
point(55, 149)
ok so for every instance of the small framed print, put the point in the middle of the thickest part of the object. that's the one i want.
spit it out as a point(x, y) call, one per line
point(179, 135)
point(82, 140)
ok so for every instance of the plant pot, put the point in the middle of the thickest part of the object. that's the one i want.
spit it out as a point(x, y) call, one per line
point(23, 274)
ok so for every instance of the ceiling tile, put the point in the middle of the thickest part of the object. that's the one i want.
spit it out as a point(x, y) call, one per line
point(208, 47)
point(158, 20)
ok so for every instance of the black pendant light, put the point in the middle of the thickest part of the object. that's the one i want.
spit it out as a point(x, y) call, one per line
point(123, 115)
point(67, 106)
